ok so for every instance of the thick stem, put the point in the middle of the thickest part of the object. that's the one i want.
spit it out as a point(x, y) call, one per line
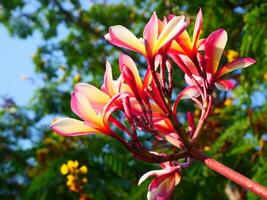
point(229, 173)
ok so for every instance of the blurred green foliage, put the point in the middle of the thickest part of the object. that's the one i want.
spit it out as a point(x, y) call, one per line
point(74, 50)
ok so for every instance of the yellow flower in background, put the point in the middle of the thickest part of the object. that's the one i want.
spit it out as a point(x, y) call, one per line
point(231, 55)
point(83, 169)
point(75, 179)
point(72, 165)
point(265, 76)
point(228, 102)
point(77, 78)
point(70, 177)
point(64, 169)
point(207, 148)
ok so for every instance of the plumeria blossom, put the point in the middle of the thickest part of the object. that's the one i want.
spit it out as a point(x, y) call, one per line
point(88, 109)
point(214, 46)
point(156, 35)
point(130, 106)
point(164, 182)
point(183, 44)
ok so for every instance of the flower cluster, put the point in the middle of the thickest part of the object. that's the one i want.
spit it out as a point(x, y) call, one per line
point(147, 105)
point(75, 176)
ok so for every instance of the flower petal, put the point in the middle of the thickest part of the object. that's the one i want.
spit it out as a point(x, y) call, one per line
point(126, 61)
point(109, 85)
point(184, 42)
point(120, 36)
point(189, 64)
point(71, 127)
point(214, 47)
point(197, 28)
point(235, 64)
point(187, 93)
point(225, 85)
point(96, 97)
point(151, 173)
point(82, 107)
point(164, 189)
point(174, 27)
point(151, 34)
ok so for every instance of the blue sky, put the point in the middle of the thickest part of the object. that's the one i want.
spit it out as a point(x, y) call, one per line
point(16, 62)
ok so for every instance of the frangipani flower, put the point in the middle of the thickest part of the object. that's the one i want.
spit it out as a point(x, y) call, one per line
point(183, 43)
point(214, 46)
point(86, 102)
point(163, 184)
point(156, 35)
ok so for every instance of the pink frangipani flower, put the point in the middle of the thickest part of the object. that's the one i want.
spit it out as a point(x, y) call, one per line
point(162, 186)
point(209, 63)
point(156, 35)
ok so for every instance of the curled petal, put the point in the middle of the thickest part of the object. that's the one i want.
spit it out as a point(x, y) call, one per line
point(126, 61)
point(214, 47)
point(187, 93)
point(174, 27)
point(151, 173)
point(235, 64)
point(96, 97)
point(111, 106)
point(225, 85)
point(71, 127)
point(122, 37)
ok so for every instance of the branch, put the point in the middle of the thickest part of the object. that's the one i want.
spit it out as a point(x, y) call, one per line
point(229, 173)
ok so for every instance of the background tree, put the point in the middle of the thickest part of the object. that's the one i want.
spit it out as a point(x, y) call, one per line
point(74, 50)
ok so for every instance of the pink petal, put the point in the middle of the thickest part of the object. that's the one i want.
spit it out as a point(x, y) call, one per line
point(111, 106)
point(191, 123)
point(185, 43)
point(174, 27)
point(164, 189)
point(82, 107)
point(120, 36)
point(109, 85)
point(164, 126)
point(151, 34)
point(214, 47)
point(174, 140)
point(225, 85)
point(71, 127)
point(175, 48)
point(189, 63)
point(126, 61)
point(235, 64)
point(96, 97)
point(179, 62)
point(197, 28)
point(187, 93)
point(151, 173)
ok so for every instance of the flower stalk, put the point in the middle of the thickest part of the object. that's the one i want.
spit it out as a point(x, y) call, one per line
point(231, 174)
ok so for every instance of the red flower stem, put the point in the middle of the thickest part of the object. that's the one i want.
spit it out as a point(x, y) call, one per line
point(229, 173)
